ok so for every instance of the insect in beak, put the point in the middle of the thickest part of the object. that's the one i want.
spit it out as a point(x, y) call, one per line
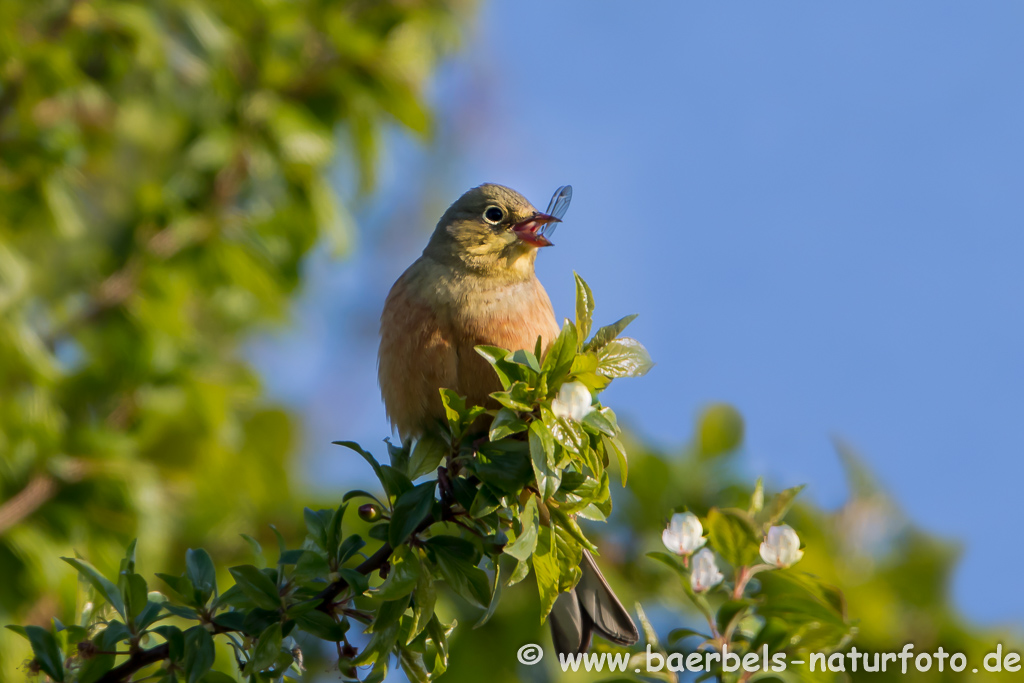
point(530, 230)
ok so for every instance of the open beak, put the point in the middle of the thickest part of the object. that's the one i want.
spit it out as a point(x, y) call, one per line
point(529, 231)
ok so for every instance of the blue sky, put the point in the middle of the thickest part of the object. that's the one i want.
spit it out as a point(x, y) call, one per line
point(814, 207)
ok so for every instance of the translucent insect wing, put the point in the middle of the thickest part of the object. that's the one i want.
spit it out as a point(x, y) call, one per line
point(558, 205)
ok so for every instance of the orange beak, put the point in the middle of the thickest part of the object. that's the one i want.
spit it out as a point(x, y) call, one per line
point(530, 230)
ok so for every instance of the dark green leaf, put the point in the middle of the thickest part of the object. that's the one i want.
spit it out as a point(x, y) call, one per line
point(322, 626)
point(266, 650)
point(456, 560)
point(135, 593)
point(44, 649)
point(410, 510)
point(526, 542)
point(103, 585)
point(403, 576)
point(426, 455)
point(201, 572)
point(257, 586)
point(506, 423)
point(199, 653)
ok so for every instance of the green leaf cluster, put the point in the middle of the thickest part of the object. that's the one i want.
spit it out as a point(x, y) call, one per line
point(164, 169)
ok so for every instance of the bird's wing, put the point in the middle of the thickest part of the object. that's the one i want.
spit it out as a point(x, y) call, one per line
point(611, 620)
point(416, 358)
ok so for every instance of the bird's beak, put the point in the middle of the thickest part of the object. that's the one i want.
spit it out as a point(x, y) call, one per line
point(529, 231)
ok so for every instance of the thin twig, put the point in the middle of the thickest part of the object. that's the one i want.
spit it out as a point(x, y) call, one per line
point(38, 490)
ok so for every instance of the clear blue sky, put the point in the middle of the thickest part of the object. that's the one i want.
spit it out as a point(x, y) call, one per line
point(816, 208)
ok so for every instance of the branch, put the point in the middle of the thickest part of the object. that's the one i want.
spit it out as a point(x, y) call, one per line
point(143, 658)
point(38, 490)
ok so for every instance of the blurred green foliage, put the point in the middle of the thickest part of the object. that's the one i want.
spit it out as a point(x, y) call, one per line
point(894, 577)
point(163, 170)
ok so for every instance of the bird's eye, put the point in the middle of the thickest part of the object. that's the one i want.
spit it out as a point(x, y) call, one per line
point(493, 215)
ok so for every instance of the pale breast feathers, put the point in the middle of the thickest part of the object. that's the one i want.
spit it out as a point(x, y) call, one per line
point(429, 329)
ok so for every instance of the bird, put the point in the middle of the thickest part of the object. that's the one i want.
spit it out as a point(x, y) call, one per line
point(475, 284)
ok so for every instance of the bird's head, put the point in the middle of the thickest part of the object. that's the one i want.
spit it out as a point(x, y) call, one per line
point(491, 229)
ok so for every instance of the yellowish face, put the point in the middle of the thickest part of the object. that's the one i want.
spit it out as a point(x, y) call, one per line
point(491, 228)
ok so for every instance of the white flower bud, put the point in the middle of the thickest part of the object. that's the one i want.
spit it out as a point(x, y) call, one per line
point(781, 547)
point(573, 401)
point(705, 572)
point(683, 534)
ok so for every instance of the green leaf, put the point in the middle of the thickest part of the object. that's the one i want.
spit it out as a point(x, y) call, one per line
point(426, 455)
point(199, 653)
point(567, 433)
point(257, 551)
point(356, 493)
point(399, 456)
point(135, 593)
point(395, 483)
point(403, 576)
point(519, 397)
point(495, 598)
point(410, 510)
point(266, 650)
point(572, 528)
point(506, 423)
point(542, 454)
point(484, 503)
point(457, 564)
point(389, 613)
point(521, 571)
point(257, 586)
point(103, 585)
point(424, 596)
point(732, 533)
point(602, 422)
point(526, 359)
point(757, 498)
point(359, 583)
point(322, 625)
point(201, 572)
point(584, 307)
point(680, 633)
point(503, 465)
point(459, 415)
point(352, 445)
point(779, 505)
point(44, 649)
point(317, 527)
point(612, 444)
point(559, 358)
point(607, 333)
point(731, 612)
point(508, 372)
point(349, 547)
point(624, 358)
point(526, 542)
point(334, 534)
point(545, 567)
point(719, 430)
